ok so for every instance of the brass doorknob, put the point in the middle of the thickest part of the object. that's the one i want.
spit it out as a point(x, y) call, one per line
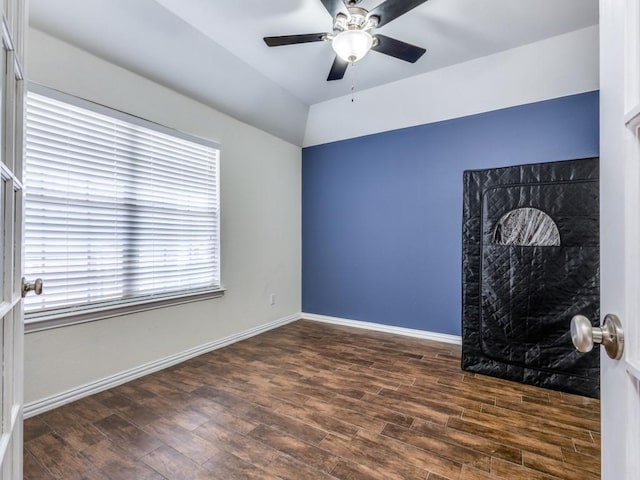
point(35, 287)
point(611, 336)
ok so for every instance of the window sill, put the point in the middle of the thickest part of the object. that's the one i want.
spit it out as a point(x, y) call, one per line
point(39, 322)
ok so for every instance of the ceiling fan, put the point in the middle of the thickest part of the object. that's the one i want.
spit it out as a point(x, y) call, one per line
point(353, 36)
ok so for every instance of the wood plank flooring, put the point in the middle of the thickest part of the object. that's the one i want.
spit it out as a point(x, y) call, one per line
point(313, 401)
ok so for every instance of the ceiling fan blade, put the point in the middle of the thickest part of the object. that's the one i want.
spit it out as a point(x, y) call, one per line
point(398, 49)
point(338, 69)
point(294, 39)
point(392, 9)
point(334, 7)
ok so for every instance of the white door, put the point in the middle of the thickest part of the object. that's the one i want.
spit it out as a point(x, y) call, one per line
point(11, 317)
point(619, 232)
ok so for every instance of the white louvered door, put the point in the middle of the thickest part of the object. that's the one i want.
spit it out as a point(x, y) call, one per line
point(11, 207)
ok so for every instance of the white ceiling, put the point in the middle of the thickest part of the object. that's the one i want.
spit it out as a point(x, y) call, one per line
point(213, 51)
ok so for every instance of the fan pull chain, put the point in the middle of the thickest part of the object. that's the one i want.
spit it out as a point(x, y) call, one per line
point(353, 81)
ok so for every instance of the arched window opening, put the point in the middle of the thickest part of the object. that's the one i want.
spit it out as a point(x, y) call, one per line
point(528, 227)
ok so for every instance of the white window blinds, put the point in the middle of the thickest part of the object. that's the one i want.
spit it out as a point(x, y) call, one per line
point(115, 211)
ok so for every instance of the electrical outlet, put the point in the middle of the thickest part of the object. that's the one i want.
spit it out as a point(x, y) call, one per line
point(272, 299)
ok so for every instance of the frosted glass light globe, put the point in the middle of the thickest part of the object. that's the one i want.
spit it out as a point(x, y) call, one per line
point(352, 45)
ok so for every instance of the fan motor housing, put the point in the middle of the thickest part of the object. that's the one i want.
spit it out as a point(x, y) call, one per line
point(358, 19)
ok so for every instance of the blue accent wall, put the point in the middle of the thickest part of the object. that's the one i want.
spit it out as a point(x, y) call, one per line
point(382, 214)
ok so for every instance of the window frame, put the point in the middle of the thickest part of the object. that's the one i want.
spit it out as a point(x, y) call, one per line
point(76, 314)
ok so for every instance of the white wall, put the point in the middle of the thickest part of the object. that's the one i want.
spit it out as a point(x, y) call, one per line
point(261, 225)
point(552, 68)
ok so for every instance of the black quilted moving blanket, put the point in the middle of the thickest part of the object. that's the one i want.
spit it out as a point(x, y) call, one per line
point(518, 299)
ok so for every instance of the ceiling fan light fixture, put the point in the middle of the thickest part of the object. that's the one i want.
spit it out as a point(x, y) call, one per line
point(352, 45)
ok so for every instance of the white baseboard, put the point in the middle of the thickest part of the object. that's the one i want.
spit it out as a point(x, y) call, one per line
point(378, 327)
point(40, 406)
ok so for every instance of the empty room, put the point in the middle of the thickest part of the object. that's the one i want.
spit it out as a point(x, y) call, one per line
point(320, 239)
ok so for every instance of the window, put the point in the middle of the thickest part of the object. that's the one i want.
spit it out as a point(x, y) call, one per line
point(119, 211)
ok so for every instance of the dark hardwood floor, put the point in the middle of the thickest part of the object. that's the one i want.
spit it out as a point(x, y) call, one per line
point(313, 401)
